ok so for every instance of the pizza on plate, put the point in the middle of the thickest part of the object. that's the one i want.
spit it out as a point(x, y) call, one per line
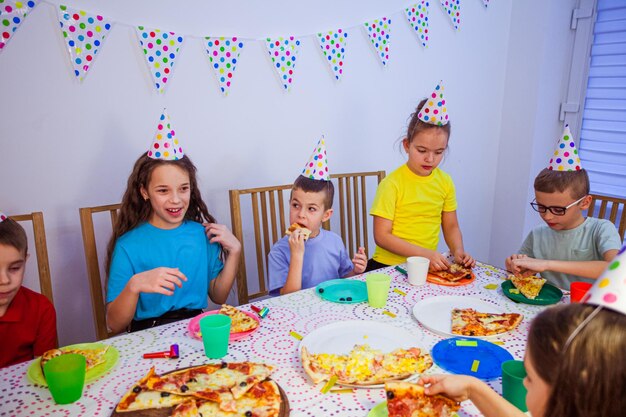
point(364, 365)
point(530, 287)
point(455, 273)
point(406, 399)
point(220, 390)
point(240, 321)
point(305, 232)
point(469, 322)
point(94, 357)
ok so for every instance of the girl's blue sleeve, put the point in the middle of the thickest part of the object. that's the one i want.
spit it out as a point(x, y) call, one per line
point(120, 273)
point(213, 258)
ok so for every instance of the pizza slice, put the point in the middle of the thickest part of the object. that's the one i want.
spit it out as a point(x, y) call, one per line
point(262, 400)
point(93, 357)
point(140, 397)
point(188, 408)
point(469, 322)
point(405, 399)
point(455, 273)
point(240, 321)
point(306, 232)
point(530, 287)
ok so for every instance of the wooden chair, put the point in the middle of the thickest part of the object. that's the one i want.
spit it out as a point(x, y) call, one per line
point(617, 214)
point(41, 248)
point(268, 209)
point(93, 265)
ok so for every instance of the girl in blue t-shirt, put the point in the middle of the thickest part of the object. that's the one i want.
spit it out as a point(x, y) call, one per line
point(167, 252)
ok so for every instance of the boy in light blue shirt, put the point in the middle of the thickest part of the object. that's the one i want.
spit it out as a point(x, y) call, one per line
point(569, 247)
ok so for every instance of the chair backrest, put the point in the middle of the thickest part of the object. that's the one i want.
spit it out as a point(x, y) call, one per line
point(41, 248)
point(93, 265)
point(617, 215)
point(267, 208)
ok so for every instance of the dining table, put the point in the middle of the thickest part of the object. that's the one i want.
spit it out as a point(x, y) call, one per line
point(277, 342)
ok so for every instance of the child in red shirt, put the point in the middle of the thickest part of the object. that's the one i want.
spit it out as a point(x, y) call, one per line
point(27, 319)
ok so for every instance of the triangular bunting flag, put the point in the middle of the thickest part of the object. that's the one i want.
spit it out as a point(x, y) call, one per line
point(453, 9)
point(283, 53)
point(12, 14)
point(417, 16)
point(160, 50)
point(379, 31)
point(224, 56)
point(333, 44)
point(84, 34)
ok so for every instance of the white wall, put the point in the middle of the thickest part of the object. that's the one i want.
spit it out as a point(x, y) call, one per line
point(66, 145)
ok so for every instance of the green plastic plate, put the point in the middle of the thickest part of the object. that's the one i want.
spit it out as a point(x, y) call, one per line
point(549, 294)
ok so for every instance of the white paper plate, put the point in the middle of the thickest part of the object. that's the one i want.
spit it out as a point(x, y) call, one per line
point(435, 313)
point(340, 338)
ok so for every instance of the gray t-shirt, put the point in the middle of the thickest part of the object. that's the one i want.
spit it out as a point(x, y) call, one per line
point(587, 242)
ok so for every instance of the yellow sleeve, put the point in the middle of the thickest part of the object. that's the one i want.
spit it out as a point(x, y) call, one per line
point(449, 203)
point(385, 200)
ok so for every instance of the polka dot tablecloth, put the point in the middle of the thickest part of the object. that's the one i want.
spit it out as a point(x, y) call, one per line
point(300, 312)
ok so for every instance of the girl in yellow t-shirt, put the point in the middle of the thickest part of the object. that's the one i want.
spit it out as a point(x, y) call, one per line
point(417, 199)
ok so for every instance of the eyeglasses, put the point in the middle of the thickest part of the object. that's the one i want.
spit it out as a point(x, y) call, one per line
point(556, 210)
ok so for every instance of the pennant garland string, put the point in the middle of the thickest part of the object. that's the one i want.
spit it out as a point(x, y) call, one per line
point(453, 9)
point(223, 54)
point(84, 34)
point(417, 16)
point(379, 31)
point(333, 45)
point(283, 52)
point(12, 14)
point(160, 49)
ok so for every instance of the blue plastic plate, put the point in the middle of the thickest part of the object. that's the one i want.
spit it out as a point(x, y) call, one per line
point(453, 356)
point(344, 291)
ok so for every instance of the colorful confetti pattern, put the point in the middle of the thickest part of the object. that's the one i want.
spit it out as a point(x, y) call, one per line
point(417, 16)
point(161, 50)
point(316, 167)
point(453, 9)
point(379, 31)
point(12, 14)
point(333, 44)
point(223, 54)
point(610, 289)
point(84, 34)
point(435, 111)
point(565, 157)
point(165, 145)
point(283, 52)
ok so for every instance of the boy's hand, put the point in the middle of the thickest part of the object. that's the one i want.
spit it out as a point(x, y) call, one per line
point(359, 261)
point(296, 243)
point(457, 387)
point(529, 266)
point(511, 266)
point(464, 259)
point(219, 233)
point(158, 280)
point(438, 262)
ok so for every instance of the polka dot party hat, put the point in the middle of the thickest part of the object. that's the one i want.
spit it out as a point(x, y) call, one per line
point(435, 111)
point(12, 15)
point(565, 157)
point(165, 145)
point(316, 167)
point(3, 217)
point(609, 290)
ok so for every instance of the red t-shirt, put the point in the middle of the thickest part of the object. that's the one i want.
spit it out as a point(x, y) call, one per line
point(28, 328)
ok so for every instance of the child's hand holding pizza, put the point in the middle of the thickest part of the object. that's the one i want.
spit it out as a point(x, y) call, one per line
point(465, 259)
point(456, 387)
point(438, 261)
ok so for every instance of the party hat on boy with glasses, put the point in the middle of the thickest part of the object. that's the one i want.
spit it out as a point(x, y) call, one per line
point(565, 157)
point(3, 217)
point(316, 167)
point(165, 145)
point(435, 110)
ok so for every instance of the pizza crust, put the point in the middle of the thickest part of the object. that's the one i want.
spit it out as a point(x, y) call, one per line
point(303, 230)
point(406, 399)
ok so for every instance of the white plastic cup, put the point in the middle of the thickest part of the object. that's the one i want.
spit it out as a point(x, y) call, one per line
point(417, 269)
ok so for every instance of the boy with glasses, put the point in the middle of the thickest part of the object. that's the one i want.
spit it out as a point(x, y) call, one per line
point(569, 247)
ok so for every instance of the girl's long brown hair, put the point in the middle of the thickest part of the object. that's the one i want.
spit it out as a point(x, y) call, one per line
point(135, 210)
point(588, 378)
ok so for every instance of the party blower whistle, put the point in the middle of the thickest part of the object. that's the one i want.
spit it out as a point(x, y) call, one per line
point(261, 312)
point(172, 353)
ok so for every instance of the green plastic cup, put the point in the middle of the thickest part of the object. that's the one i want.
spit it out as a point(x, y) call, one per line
point(377, 289)
point(65, 376)
point(215, 330)
point(513, 390)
